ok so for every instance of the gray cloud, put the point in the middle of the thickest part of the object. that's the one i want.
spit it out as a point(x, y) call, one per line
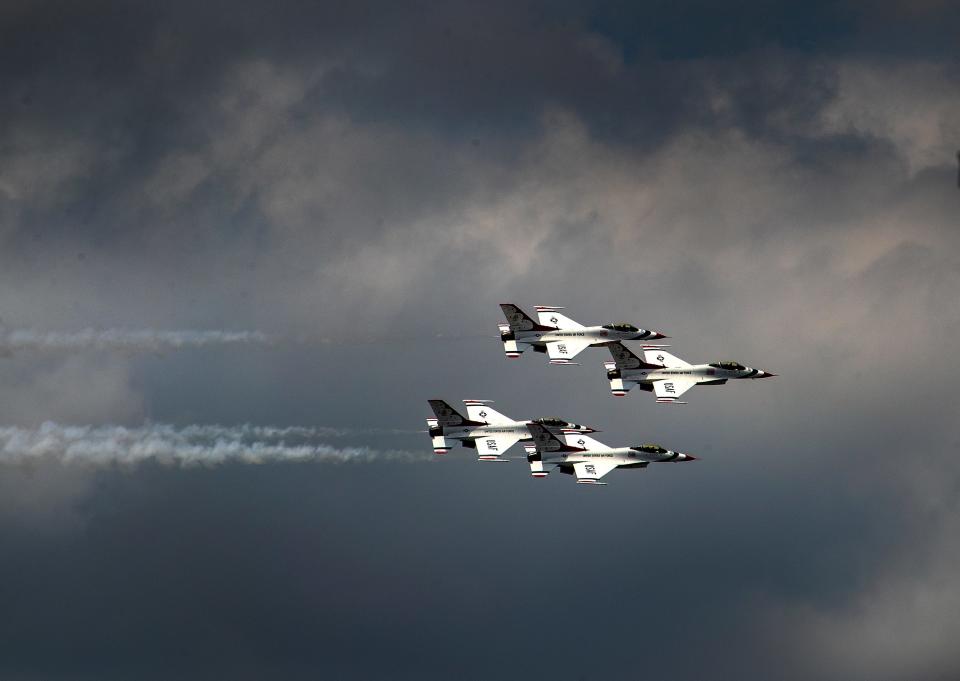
point(130, 340)
point(769, 186)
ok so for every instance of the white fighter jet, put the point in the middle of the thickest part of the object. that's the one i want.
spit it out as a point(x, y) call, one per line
point(485, 429)
point(559, 336)
point(665, 375)
point(589, 459)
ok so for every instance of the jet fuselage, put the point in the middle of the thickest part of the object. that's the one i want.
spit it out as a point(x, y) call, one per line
point(702, 373)
point(620, 456)
point(597, 335)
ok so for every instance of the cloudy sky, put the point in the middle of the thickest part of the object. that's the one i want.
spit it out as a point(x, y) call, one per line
point(362, 183)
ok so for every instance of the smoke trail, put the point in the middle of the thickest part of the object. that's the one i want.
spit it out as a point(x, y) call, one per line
point(154, 340)
point(148, 340)
point(188, 446)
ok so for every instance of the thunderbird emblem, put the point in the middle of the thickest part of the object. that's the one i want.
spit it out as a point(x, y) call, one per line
point(483, 414)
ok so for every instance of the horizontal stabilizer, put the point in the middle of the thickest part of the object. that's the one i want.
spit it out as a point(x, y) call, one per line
point(512, 349)
point(441, 445)
point(536, 469)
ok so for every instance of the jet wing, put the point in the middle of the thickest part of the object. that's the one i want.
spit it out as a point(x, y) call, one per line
point(669, 390)
point(659, 357)
point(549, 316)
point(493, 446)
point(581, 441)
point(590, 472)
point(561, 352)
point(482, 412)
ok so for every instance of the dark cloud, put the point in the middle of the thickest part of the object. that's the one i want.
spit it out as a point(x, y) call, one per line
point(367, 181)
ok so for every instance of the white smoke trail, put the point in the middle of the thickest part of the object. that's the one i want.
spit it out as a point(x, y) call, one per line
point(148, 340)
point(187, 446)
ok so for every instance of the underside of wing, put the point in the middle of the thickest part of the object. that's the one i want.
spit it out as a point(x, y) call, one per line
point(669, 391)
point(590, 472)
point(561, 352)
point(490, 448)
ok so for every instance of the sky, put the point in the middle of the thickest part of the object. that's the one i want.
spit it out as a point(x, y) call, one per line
point(355, 187)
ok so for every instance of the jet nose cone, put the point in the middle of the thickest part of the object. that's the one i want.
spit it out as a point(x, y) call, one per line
point(687, 457)
point(657, 335)
point(765, 374)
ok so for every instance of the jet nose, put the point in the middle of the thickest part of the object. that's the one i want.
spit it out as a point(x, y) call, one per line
point(764, 374)
point(687, 457)
point(657, 335)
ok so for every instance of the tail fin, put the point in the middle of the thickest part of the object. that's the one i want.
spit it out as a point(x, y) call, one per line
point(550, 317)
point(446, 415)
point(480, 410)
point(547, 442)
point(624, 358)
point(518, 320)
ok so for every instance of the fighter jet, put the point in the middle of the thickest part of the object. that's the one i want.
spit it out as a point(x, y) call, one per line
point(559, 336)
point(485, 429)
point(665, 375)
point(589, 459)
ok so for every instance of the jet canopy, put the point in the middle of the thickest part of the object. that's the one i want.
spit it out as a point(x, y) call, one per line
point(621, 326)
point(733, 366)
point(552, 422)
point(650, 449)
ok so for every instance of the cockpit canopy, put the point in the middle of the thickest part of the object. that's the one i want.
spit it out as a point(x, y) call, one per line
point(621, 326)
point(732, 366)
point(651, 449)
point(552, 422)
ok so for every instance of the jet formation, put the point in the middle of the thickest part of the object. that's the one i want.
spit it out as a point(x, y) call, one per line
point(554, 444)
